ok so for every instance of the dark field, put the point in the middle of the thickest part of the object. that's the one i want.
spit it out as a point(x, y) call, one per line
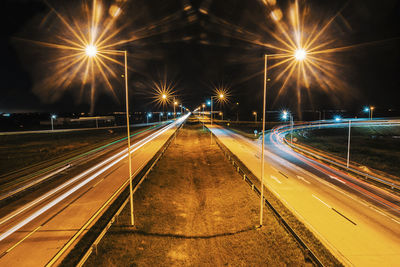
point(376, 147)
point(23, 150)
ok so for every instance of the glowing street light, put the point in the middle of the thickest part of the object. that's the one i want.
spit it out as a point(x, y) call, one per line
point(299, 55)
point(175, 104)
point(91, 50)
point(255, 116)
point(87, 46)
point(203, 106)
point(148, 116)
point(372, 111)
point(52, 117)
point(337, 118)
point(220, 96)
point(284, 115)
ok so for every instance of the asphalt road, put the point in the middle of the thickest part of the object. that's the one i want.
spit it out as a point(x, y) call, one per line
point(358, 222)
point(33, 232)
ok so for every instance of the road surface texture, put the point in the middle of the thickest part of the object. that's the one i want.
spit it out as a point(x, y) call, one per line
point(195, 210)
point(358, 222)
point(44, 220)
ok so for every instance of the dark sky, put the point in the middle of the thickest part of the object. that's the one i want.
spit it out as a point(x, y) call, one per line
point(198, 50)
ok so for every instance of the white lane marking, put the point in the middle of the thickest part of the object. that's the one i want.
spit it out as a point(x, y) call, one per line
point(333, 177)
point(302, 178)
point(276, 179)
point(322, 201)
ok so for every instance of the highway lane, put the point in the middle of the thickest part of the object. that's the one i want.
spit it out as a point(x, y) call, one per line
point(51, 170)
point(380, 197)
point(356, 227)
point(35, 232)
point(380, 177)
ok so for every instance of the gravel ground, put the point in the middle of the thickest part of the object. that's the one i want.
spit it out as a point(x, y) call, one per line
point(195, 210)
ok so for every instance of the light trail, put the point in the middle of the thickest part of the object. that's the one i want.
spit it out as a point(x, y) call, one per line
point(115, 159)
point(328, 171)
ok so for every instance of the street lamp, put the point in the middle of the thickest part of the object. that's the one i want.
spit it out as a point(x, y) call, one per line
point(159, 116)
point(91, 52)
point(220, 96)
point(255, 116)
point(52, 117)
point(203, 106)
point(175, 103)
point(284, 115)
point(299, 55)
point(148, 116)
point(367, 110)
point(372, 111)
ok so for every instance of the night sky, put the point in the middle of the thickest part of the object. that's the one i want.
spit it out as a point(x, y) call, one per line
point(196, 52)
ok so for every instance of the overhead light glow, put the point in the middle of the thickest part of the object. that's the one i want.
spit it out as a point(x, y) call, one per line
point(300, 54)
point(91, 50)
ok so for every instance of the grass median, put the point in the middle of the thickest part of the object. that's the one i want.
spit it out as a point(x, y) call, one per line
point(194, 209)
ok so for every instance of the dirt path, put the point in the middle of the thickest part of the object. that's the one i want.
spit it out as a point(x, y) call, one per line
point(195, 210)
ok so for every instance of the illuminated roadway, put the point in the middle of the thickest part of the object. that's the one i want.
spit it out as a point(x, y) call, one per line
point(34, 231)
point(358, 222)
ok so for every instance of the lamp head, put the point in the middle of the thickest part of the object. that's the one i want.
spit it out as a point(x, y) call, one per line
point(91, 50)
point(300, 54)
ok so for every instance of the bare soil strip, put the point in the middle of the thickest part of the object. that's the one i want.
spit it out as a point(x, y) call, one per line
point(194, 209)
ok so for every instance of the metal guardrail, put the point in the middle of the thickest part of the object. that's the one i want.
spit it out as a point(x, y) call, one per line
point(106, 215)
point(243, 170)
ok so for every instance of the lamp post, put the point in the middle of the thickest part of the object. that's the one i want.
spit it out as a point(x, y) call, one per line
point(159, 116)
point(348, 145)
point(221, 96)
point(285, 115)
point(367, 110)
point(175, 103)
point(147, 117)
point(202, 118)
point(371, 111)
point(299, 55)
point(52, 117)
point(255, 116)
point(91, 51)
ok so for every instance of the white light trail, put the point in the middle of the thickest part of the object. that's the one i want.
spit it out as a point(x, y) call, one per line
point(117, 158)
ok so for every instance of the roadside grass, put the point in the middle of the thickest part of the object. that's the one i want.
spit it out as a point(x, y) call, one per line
point(376, 147)
point(195, 210)
point(19, 151)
